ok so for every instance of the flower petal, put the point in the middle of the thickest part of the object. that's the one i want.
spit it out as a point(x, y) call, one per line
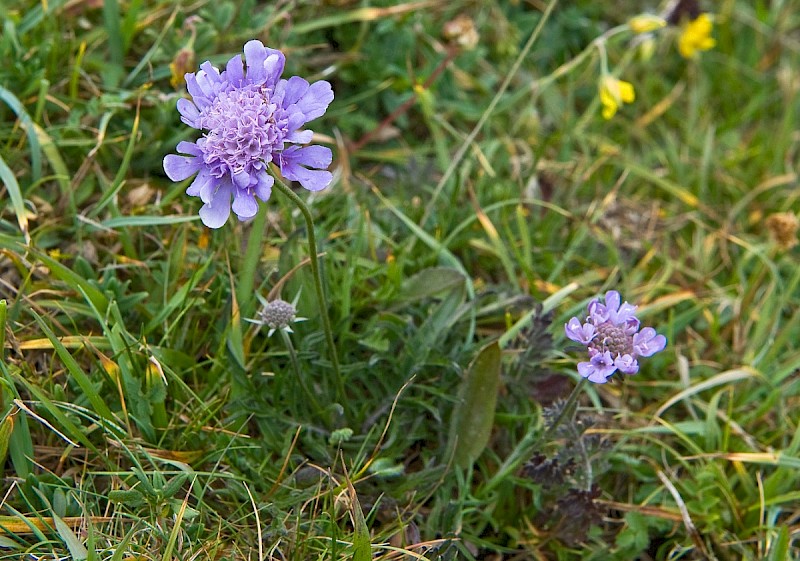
point(264, 65)
point(313, 180)
point(612, 301)
point(241, 178)
point(189, 112)
point(244, 204)
point(179, 168)
point(626, 364)
point(293, 159)
point(319, 157)
point(647, 342)
point(626, 92)
point(203, 182)
point(626, 311)
point(300, 137)
point(198, 96)
point(599, 368)
point(315, 101)
point(580, 333)
point(186, 147)
point(234, 71)
point(214, 214)
point(293, 89)
point(263, 186)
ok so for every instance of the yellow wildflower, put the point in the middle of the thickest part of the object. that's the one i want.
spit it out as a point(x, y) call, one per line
point(645, 23)
point(696, 36)
point(613, 93)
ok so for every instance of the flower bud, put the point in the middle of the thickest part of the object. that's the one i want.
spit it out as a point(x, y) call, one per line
point(645, 23)
point(278, 314)
point(461, 32)
point(180, 65)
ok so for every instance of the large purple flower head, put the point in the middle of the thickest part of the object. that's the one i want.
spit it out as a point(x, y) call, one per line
point(249, 119)
point(611, 334)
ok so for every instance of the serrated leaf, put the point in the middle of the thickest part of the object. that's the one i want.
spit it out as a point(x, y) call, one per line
point(473, 414)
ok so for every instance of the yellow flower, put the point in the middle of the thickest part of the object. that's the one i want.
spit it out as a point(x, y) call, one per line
point(696, 36)
point(645, 23)
point(613, 93)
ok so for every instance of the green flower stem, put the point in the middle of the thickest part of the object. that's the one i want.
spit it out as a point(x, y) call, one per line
point(252, 258)
point(523, 450)
point(568, 410)
point(296, 366)
point(314, 263)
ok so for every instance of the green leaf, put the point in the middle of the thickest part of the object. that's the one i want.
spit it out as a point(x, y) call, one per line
point(780, 547)
point(473, 415)
point(20, 441)
point(431, 282)
point(76, 549)
point(94, 397)
point(125, 221)
point(92, 294)
point(36, 151)
point(362, 545)
point(17, 202)
point(6, 428)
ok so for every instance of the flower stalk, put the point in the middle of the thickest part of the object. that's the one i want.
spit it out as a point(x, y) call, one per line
point(314, 264)
point(297, 372)
point(252, 258)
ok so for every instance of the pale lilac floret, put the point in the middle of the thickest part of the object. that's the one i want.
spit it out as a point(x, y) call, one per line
point(580, 333)
point(250, 117)
point(599, 368)
point(647, 342)
point(612, 337)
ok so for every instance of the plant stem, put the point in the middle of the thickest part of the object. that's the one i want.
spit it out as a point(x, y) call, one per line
point(314, 263)
point(252, 257)
point(296, 366)
point(522, 451)
point(567, 410)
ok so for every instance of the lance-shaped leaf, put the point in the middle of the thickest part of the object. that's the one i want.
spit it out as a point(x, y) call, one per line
point(473, 415)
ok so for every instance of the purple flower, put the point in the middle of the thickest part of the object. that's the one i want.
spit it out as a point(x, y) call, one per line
point(248, 118)
point(612, 337)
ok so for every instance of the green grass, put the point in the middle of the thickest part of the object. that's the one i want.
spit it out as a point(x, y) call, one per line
point(142, 418)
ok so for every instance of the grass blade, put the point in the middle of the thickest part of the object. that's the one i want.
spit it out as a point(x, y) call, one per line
point(17, 201)
point(36, 150)
point(95, 399)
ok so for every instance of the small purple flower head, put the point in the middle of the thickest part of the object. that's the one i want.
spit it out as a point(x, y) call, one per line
point(612, 337)
point(248, 117)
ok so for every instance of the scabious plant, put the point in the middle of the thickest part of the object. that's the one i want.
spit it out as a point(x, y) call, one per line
point(277, 314)
point(249, 120)
point(611, 334)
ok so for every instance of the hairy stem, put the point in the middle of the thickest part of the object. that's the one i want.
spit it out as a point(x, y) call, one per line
point(314, 263)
